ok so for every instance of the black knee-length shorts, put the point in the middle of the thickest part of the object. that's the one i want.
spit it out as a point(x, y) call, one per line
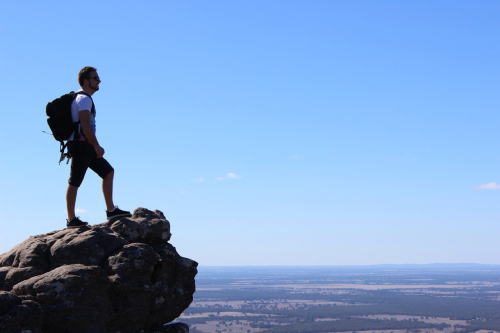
point(83, 156)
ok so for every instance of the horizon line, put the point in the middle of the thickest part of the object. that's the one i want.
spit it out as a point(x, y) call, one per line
point(355, 265)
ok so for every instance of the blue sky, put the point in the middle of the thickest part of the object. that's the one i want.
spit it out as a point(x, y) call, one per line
point(269, 132)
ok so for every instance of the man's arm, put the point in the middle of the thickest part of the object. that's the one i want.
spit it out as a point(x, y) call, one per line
point(89, 134)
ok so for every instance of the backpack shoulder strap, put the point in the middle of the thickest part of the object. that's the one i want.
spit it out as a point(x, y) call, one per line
point(78, 131)
point(84, 93)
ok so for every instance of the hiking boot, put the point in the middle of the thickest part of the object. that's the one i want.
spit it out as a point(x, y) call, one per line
point(116, 213)
point(76, 223)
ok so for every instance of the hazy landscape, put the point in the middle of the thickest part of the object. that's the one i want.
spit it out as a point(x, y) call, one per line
point(383, 298)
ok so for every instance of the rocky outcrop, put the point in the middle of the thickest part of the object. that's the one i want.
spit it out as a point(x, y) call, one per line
point(121, 276)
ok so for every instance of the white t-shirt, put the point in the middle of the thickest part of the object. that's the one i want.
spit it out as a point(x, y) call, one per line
point(81, 103)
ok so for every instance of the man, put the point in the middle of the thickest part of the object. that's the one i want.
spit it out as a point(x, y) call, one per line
point(85, 150)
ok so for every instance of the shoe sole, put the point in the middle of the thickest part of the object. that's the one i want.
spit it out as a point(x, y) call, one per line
point(76, 226)
point(114, 217)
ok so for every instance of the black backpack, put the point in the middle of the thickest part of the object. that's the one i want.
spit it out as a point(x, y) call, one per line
point(60, 121)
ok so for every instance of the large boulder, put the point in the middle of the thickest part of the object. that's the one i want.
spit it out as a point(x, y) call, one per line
point(116, 277)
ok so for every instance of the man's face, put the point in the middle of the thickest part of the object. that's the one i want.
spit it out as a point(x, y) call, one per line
point(94, 81)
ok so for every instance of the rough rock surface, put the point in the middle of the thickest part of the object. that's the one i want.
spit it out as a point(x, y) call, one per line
point(121, 276)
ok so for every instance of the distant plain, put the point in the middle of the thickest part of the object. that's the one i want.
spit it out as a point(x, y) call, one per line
point(380, 299)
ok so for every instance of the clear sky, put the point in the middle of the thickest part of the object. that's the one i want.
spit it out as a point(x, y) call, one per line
point(269, 132)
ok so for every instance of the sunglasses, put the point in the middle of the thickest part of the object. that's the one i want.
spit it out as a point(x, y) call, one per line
point(96, 78)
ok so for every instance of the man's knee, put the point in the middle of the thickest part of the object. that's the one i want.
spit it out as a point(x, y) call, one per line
point(72, 187)
point(110, 174)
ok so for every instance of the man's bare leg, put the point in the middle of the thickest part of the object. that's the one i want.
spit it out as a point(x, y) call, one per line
point(107, 190)
point(71, 201)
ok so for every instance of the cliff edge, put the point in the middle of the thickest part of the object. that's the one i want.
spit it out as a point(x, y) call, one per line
point(121, 276)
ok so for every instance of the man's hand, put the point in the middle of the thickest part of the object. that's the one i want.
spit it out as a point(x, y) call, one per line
point(99, 151)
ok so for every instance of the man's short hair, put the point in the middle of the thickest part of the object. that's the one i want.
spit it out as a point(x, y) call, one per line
point(84, 74)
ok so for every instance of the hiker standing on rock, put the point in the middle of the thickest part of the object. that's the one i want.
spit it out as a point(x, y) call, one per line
point(85, 150)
